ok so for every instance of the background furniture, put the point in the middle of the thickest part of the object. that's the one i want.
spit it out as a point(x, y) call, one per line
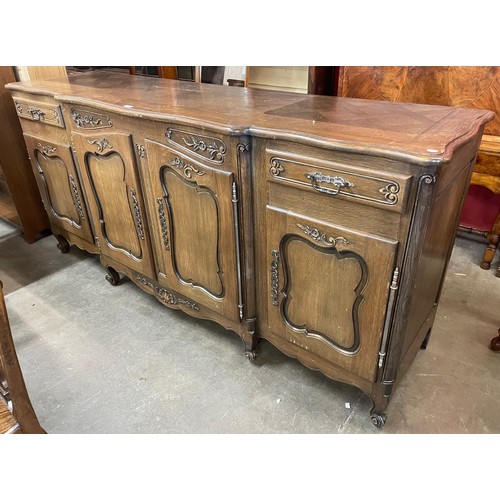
point(462, 86)
point(481, 217)
point(356, 206)
point(16, 412)
point(22, 203)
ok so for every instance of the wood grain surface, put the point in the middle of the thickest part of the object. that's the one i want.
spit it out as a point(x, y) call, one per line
point(425, 133)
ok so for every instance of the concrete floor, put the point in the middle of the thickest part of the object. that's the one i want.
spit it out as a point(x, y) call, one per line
point(101, 359)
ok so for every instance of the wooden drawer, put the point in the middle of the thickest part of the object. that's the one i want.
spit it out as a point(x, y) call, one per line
point(333, 179)
point(42, 112)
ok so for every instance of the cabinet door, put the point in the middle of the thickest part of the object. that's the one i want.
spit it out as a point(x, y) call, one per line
point(195, 232)
point(59, 186)
point(328, 289)
point(109, 174)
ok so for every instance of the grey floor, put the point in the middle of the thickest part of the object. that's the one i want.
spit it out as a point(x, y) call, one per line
point(101, 359)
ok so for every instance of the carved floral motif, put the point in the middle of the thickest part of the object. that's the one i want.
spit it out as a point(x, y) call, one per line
point(90, 121)
point(101, 144)
point(166, 296)
point(208, 148)
point(316, 235)
point(187, 169)
point(47, 150)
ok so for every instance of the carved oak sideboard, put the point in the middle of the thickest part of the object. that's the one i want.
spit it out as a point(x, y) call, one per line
point(321, 224)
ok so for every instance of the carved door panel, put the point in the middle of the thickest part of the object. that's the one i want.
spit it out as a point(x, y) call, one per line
point(195, 209)
point(328, 289)
point(109, 174)
point(59, 187)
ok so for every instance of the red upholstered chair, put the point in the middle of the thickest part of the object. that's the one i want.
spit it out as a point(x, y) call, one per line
point(481, 216)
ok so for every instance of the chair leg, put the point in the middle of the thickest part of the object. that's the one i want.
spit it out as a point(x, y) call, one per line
point(493, 241)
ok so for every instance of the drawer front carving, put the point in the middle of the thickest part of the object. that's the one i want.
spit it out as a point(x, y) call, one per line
point(338, 180)
point(39, 112)
point(109, 173)
point(59, 186)
point(195, 230)
point(204, 147)
point(89, 119)
point(328, 289)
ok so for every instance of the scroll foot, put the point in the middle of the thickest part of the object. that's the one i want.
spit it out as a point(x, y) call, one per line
point(62, 243)
point(251, 355)
point(113, 277)
point(378, 419)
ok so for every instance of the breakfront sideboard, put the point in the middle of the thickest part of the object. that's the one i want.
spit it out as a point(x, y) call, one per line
point(321, 224)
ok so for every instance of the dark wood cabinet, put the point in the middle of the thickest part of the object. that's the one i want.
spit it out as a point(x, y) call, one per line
point(321, 224)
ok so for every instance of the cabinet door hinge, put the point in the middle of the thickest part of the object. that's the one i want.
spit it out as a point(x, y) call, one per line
point(388, 318)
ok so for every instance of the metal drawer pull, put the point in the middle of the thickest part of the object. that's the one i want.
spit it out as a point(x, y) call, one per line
point(36, 114)
point(338, 182)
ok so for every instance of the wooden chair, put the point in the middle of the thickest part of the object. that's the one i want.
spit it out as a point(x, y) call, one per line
point(481, 216)
point(16, 412)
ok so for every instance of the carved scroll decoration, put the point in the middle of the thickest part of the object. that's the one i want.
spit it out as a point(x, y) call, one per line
point(141, 151)
point(276, 167)
point(316, 235)
point(186, 168)
point(274, 276)
point(76, 194)
point(36, 114)
point(56, 116)
point(95, 120)
point(163, 223)
point(101, 144)
point(47, 150)
point(208, 148)
point(390, 192)
point(137, 214)
point(166, 296)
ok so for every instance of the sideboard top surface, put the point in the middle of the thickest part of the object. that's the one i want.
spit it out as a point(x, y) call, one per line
point(425, 134)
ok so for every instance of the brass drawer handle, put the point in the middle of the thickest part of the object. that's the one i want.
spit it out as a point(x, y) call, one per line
point(339, 183)
point(36, 114)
